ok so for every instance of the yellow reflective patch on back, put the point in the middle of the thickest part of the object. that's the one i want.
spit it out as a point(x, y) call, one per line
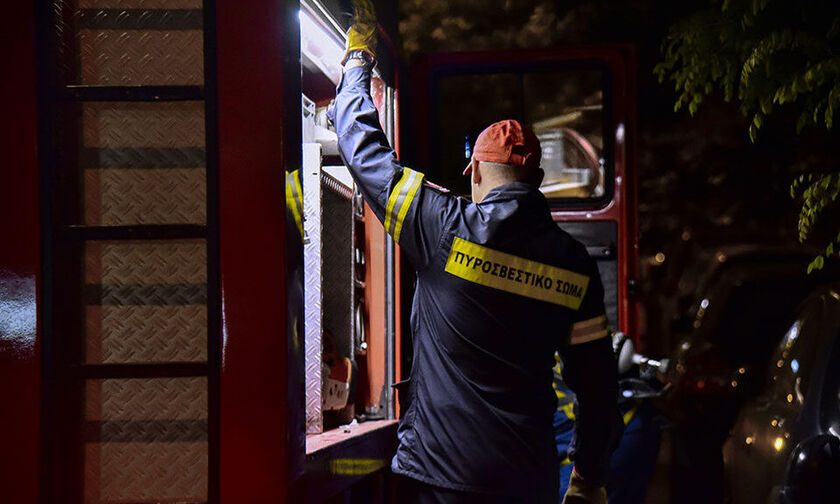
point(510, 273)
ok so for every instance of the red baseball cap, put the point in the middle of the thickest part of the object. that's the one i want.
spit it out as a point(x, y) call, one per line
point(507, 142)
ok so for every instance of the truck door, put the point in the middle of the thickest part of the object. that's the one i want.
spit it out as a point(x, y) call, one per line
point(580, 103)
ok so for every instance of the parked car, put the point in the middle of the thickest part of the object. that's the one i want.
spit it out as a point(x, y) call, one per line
point(800, 405)
point(745, 303)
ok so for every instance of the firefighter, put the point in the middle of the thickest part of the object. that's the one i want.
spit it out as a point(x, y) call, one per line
point(500, 288)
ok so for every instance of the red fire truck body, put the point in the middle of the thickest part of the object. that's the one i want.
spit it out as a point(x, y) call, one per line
point(150, 349)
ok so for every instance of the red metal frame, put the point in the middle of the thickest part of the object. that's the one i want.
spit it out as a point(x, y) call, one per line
point(20, 262)
point(620, 59)
point(258, 136)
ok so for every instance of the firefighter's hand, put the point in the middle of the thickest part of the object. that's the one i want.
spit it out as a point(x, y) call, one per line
point(581, 492)
point(362, 34)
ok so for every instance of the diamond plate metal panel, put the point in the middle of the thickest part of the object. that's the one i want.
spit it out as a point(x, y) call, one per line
point(337, 267)
point(140, 19)
point(121, 125)
point(328, 274)
point(146, 399)
point(140, 4)
point(313, 294)
point(146, 262)
point(131, 197)
point(146, 431)
point(143, 163)
point(143, 158)
point(156, 295)
point(135, 334)
point(145, 301)
point(146, 472)
point(146, 440)
point(130, 47)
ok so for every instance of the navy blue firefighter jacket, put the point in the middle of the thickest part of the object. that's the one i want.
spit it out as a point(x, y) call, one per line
point(500, 288)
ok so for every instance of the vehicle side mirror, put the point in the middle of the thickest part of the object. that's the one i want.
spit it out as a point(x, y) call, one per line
point(812, 469)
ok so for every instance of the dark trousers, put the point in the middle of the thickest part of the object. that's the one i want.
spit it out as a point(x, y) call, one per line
point(412, 491)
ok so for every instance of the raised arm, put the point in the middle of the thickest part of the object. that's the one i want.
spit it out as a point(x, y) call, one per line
point(413, 214)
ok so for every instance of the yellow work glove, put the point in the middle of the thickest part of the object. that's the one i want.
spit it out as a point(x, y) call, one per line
point(362, 34)
point(581, 492)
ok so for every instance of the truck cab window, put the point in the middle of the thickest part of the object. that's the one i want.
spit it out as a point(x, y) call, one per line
point(565, 109)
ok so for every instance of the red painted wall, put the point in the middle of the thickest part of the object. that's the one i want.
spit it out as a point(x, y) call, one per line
point(20, 368)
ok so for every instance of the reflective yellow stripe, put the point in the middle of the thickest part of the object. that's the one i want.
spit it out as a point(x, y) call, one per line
point(569, 410)
point(355, 467)
point(588, 330)
point(569, 407)
point(293, 198)
point(516, 275)
point(590, 323)
point(392, 199)
point(566, 461)
point(412, 191)
point(399, 201)
point(629, 415)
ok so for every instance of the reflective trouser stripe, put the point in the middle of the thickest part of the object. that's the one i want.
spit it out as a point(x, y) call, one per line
point(629, 415)
point(399, 202)
point(294, 201)
point(565, 403)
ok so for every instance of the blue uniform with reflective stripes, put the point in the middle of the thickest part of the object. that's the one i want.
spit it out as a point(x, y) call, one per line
point(500, 288)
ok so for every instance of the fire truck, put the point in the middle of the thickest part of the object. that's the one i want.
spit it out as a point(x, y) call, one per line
point(167, 331)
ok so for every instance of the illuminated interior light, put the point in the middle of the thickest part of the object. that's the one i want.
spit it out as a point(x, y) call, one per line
point(749, 440)
point(659, 258)
point(794, 366)
point(321, 46)
point(778, 444)
point(790, 398)
point(704, 304)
